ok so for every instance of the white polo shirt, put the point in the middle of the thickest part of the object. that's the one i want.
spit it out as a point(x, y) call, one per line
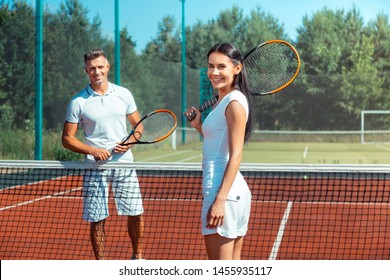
point(103, 117)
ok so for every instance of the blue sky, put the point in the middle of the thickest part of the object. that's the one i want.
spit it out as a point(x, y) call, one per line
point(141, 17)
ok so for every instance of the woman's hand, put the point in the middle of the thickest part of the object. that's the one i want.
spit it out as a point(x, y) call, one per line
point(196, 122)
point(216, 213)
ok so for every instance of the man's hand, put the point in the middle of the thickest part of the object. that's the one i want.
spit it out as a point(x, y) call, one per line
point(101, 154)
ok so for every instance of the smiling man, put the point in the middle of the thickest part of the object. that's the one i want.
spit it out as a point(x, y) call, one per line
point(102, 109)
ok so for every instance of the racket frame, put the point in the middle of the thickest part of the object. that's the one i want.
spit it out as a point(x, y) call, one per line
point(134, 130)
point(295, 73)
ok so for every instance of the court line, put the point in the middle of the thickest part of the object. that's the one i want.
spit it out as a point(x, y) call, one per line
point(380, 204)
point(305, 152)
point(382, 148)
point(39, 199)
point(279, 236)
point(200, 199)
point(188, 159)
point(167, 155)
point(31, 183)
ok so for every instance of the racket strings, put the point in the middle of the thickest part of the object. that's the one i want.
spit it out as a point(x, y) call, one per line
point(271, 67)
point(155, 127)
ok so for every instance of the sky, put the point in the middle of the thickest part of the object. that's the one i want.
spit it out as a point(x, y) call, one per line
point(141, 17)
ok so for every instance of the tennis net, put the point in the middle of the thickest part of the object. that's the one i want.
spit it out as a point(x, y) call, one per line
point(298, 212)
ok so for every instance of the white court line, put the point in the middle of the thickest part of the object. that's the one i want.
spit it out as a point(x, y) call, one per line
point(167, 155)
point(200, 199)
point(188, 159)
point(38, 199)
point(279, 236)
point(327, 203)
point(305, 152)
point(382, 148)
point(31, 183)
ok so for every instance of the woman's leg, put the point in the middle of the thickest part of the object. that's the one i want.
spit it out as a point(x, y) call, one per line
point(218, 247)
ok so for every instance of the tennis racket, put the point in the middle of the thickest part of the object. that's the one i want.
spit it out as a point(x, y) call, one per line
point(270, 67)
point(152, 128)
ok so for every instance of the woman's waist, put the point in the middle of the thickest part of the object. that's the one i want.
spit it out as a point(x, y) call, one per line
point(215, 161)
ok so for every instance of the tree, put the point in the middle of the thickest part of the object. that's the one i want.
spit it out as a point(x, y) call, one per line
point(326, 42)
point(361, 86)
point(231, 26)
point(17, 63)
point(67, 36)
point(259, 27)
point(167, 45)
point(137, 75)
point(379, 31)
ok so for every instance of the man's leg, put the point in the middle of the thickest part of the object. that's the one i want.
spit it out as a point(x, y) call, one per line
point(135, 226)
point(98, 239)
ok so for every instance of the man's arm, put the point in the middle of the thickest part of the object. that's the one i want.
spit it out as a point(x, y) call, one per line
point(134, 118)
point(71, 142)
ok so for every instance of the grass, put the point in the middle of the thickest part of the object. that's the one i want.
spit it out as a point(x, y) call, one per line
point(19, 145)
point(290, 153)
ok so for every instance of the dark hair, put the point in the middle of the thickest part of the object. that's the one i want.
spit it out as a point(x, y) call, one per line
point(240, 80)
point(93, 54)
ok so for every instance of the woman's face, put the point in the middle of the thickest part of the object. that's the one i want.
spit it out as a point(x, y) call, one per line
point(221, 72)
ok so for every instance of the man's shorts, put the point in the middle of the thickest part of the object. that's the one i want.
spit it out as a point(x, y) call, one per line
point(125, 188)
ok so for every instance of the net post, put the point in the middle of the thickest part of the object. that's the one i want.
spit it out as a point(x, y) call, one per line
point(174, 140)
point(38, 78)
point(362, 127)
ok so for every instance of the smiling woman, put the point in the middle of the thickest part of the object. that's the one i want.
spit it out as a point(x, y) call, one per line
point(222, 72)
point(226, 196)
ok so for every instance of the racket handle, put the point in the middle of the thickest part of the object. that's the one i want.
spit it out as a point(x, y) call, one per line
point(203, 107)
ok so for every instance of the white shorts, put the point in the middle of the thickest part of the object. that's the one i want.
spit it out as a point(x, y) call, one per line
point(235, 222)
point(125, 187)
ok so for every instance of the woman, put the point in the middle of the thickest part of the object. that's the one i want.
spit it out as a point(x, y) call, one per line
point(226, 196)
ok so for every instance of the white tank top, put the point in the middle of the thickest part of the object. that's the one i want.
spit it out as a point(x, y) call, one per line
point(216, 148)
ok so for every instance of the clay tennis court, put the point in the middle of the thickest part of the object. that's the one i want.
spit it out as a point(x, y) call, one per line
point(293, 217)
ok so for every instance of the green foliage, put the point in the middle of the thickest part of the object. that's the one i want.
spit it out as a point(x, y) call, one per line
point(7, 116)
point(68, 35)
point(17, 60)
point(17, 144)
point(339, 69)
point(60, 153)
point(361, 86)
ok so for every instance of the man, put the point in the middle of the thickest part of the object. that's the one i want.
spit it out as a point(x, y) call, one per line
point(101, 109)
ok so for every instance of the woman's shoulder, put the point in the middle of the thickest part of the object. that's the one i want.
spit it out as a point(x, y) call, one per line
point(237, 95)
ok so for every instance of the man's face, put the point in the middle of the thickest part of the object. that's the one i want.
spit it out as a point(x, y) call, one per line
point(97, 70)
